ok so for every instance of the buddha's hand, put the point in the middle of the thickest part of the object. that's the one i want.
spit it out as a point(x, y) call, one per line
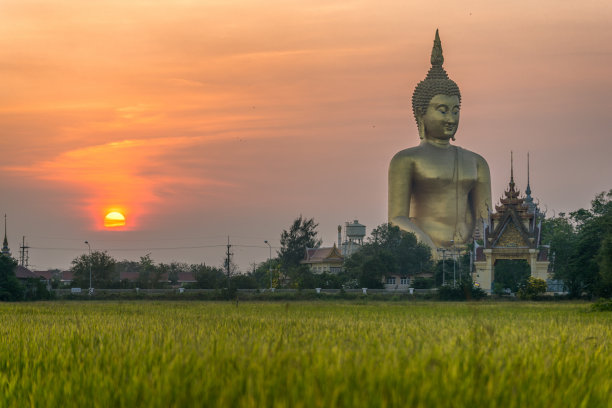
point(426, 239)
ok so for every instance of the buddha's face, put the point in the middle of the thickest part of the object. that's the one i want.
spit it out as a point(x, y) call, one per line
point(441, 119)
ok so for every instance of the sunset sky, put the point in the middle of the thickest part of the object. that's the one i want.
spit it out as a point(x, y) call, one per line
point(203, 119)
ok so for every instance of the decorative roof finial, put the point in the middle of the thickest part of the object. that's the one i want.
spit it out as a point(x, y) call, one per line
point(511, 168)
point(528, 189)
point(528, 199)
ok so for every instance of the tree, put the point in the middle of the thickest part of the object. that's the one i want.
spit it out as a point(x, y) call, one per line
point(265, 272)
point(301, 235)
point(242, 281)
point(173, 269)
point(388, 250)
point(580, 246)
point(10, 288)
point(560, 234)
point(103, 272)
point(209, 277)
point(604, 260)
point(149, 274)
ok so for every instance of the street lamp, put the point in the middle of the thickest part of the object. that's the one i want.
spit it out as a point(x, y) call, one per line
point(90, 288)
point(269, 263)
point(454, 262)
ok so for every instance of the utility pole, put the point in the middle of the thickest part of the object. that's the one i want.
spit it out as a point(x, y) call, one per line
point(269, 263)
point(24, 257)
point(228, 262)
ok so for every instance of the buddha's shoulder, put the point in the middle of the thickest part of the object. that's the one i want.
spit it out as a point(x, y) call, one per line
point(409, 154)
point(472, 156)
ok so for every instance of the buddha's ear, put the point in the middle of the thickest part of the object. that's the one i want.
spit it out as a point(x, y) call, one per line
point(421, 126)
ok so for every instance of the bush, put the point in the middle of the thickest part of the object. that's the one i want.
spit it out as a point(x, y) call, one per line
point(464, 291)
point(36, 289)
point(532, 287)
point(423, 283)
point(603, 305)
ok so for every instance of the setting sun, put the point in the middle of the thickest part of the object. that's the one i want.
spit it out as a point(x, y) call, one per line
point(114, 219)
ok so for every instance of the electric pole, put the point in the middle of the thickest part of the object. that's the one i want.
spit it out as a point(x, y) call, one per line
point(24, 257)
point(228, 262)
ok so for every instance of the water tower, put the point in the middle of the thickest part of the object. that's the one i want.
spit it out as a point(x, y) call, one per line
point(354, 232)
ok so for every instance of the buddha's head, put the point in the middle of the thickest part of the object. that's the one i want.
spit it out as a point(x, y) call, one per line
point(435, 98)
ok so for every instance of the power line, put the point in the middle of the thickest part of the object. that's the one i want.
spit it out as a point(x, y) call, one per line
point(148, 248)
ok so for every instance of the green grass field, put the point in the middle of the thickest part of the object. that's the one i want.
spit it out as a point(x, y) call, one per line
point(160, 354)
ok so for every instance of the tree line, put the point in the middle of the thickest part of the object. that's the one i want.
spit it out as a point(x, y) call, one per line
point(581, 247)
point(580, 254)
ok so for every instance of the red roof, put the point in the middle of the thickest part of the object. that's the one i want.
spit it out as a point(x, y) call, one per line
point(186, 277)
point(24, 273)
point(48, 275)
point(67, 276)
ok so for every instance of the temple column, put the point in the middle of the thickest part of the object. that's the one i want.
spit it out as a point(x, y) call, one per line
point(533, 258)
point(486, 275)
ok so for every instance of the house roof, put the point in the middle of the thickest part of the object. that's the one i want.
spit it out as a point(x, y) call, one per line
point(320, 255)
point(186, 277)
point(48, 275)
point(22, 272)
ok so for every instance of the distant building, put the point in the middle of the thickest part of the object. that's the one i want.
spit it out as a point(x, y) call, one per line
point(396, 282)
point(324, 260)
point(23, 273)
point(354, 233)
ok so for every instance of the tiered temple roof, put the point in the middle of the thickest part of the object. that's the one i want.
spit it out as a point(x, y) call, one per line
point(514, 222)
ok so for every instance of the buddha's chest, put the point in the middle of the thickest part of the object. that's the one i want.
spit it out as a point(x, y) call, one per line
point(447, 169)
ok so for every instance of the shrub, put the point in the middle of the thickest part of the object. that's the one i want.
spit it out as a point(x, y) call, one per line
point(423, 283)
point(532, 287)
point(603, 305)
point(465, 290)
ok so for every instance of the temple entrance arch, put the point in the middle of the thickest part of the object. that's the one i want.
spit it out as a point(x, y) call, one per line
point(512, 232)
point(509, 273)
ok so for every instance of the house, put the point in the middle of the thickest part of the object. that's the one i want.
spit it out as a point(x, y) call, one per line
point(23, 273)
point(324, 260)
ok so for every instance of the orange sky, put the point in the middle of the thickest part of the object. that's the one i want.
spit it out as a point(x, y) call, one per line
point(202, 119)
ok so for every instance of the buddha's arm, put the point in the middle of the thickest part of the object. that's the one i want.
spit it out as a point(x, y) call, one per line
point(400, 192)
point(481, 194)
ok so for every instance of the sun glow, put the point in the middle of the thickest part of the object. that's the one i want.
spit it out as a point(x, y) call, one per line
point(114, 219)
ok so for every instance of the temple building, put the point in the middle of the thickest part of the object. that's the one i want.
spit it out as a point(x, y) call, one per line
point(324, 260)
point(512, 232)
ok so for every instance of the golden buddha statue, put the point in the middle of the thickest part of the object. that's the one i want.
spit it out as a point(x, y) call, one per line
point(437, 190)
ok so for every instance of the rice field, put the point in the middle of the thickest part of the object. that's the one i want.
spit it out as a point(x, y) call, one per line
point(413, 354)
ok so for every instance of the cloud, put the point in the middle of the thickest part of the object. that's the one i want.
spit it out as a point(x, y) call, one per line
point(131, 175)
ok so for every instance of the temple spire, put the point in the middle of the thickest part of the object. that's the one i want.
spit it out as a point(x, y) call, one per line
point(5, 249)
point(528, 189)
point(528, 198)
point(512, 193)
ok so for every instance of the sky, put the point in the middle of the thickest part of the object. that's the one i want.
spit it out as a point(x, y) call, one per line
point(200, 120)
